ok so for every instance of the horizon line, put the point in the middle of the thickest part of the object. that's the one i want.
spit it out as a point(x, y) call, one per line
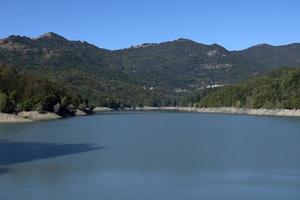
point(154, 43)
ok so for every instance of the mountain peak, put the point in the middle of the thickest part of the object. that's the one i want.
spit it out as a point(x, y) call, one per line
point(183, 40)
point(51, 35)
point(262, 45)
point(16, 39)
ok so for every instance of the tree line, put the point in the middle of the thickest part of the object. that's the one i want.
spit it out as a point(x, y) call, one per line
point(279, 89)
point(27, 92)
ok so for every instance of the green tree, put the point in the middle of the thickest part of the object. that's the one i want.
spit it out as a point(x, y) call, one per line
point(3, 102)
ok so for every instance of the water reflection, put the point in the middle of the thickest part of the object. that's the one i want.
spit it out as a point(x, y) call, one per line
point(152, 156)
point(18, 152)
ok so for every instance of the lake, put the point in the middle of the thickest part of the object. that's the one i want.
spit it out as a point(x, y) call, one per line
point(151, 155)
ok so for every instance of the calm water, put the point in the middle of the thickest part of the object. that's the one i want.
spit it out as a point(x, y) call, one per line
point(132, 156)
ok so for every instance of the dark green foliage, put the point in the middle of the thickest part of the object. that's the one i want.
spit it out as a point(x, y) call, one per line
point(279, 89)
point(94, 73)
point(185, 64)
point(124, 77)
point(3, 102)
point(25, 92)
point(193, 98)
point(273, 56)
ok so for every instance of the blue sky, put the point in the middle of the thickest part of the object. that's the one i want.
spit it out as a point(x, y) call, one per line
point(115, 24)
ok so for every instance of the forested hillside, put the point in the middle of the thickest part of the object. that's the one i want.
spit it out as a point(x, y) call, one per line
point(273, 56)
point(185, 64)
point(26, 92)
point(278, 89)
point(92, 72)
point(149, 74)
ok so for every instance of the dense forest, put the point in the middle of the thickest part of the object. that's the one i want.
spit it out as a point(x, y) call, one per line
point(148, 74)
point(278, 89)
point(51, 70)
point(94, 73)
point(26, 92)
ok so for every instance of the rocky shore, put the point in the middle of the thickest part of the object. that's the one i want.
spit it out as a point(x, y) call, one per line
point(227, 110)
point(102, 109)
point(31, 116)
point(8, 118)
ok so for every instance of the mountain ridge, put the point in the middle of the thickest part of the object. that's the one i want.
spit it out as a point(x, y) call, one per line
point(155, 43)
point(169, 68)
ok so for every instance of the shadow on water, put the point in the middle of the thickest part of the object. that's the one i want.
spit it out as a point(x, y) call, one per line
point(3, 171)
point(19, 152)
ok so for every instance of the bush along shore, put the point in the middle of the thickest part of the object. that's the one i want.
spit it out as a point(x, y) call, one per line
point(27, 97)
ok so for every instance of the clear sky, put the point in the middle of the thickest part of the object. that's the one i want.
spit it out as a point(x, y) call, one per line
point(114, 24)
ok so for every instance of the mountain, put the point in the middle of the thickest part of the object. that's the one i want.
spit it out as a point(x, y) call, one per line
point(185, 64)
point(189, 65)
point(147, 74)
point(273, 56)
point(51, 49)
point(94, 72)
point(278, 89)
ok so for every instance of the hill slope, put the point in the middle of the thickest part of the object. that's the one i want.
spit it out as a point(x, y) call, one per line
point(93, 72)
point(26, 92)
point(185, 64)
point(149, 74)
point(273, 56)
point(278, 89)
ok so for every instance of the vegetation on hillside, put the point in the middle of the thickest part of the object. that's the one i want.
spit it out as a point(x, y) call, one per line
point(278, 89)
point(150, 74)
point(271, 57)
point(94, 73)
point(185, 64)
point(26, 92)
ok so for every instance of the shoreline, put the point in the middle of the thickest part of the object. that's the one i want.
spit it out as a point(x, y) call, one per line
point(33, 116)
point(226, 110)
point(28, 116)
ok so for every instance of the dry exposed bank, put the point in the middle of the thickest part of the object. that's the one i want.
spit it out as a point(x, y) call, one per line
point(102, 109)
point(11, 118)
point(32, 116)
point(27, 117)
point(36, 116)
point(227, 110)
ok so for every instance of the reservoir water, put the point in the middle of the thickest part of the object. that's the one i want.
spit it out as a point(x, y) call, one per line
point(151, 155)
